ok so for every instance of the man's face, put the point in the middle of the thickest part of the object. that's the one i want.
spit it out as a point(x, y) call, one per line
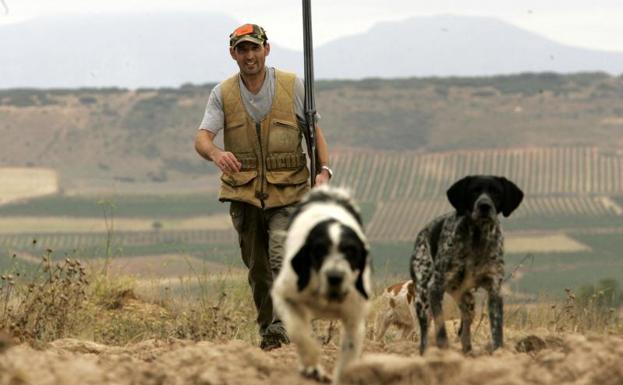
point(250, 57)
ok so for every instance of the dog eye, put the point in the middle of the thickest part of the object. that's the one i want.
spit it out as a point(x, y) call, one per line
point(318, 250)
point(350, 252)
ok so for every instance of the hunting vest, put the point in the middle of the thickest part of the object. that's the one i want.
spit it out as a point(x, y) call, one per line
point(274, 168)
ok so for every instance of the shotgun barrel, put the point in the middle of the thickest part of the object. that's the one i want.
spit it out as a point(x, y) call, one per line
point(310, 104)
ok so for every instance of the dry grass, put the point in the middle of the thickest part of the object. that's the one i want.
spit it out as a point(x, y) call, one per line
point(571, 315)
point(66, 299)
point(43, 306)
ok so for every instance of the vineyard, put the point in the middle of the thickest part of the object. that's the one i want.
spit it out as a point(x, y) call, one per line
point(561, 184)
point(574, 195)
point(401, 220)
point(399, 192)
point(538, 171)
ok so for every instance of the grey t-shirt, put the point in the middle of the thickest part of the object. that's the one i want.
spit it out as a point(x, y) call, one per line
point(257, 106)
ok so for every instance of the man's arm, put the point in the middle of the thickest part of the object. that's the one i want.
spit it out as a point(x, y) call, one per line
point(322, 151)
point(224, 160)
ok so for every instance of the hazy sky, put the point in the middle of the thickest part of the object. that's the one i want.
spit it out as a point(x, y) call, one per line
point(596, 24)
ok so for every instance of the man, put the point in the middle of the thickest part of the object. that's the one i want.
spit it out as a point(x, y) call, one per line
point(260, 111)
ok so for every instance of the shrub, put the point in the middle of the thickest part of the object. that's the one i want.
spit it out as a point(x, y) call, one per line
point(42, 308)
point(87, 100)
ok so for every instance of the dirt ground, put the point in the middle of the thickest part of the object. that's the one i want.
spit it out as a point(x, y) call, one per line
point(563, 359)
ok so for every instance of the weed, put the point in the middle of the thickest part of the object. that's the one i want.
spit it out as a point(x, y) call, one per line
point(43, 307)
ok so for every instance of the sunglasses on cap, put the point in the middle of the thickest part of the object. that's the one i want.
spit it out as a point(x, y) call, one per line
point(248, 32)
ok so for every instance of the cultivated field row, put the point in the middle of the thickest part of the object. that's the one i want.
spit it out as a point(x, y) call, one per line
point(401, 220)
point(391, 221)
point(568, 206)
point(129, 238)
point(387, 176)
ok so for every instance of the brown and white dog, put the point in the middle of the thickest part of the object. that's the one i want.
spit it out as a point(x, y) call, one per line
point(398, 310)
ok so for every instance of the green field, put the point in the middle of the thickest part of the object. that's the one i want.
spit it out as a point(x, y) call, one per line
point(122, 206)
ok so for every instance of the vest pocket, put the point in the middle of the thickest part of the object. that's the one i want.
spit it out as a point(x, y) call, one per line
point(239, 179)
point(288, 177)
point(236, 138)
point(284, 136)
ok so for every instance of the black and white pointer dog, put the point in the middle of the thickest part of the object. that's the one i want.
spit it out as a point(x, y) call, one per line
point(325, 274)
point(462, 251)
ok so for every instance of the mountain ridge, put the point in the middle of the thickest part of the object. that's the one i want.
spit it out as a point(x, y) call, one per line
point(171, 49)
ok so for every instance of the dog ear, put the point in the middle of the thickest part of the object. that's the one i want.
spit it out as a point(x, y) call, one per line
point(301, 263)
point(512, 196)
point(360, 286)
point(359, 283)
point(457, 194)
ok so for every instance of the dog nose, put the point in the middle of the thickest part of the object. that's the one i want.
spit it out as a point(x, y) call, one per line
point(484, 208)
point(335, 278)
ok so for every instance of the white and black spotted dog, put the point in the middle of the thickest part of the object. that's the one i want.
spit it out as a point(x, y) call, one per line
point(325, 274)
point(462, 251)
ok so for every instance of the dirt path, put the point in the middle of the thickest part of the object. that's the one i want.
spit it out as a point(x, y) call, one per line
point(568, 359)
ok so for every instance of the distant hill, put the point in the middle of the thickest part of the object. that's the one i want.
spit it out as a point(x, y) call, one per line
point(170, 49)
point(124, 50)
point(455, 46)
point(147, 135)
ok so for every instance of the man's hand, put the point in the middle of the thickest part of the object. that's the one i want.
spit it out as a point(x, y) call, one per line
point(322, 177)
point(227, 162)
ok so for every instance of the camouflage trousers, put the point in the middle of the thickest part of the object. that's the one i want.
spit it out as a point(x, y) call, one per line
point(262, 234)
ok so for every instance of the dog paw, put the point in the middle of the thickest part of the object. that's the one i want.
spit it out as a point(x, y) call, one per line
point(469, 353)
point(315, 373)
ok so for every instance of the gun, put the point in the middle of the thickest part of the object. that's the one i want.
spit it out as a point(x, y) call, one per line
point(310, 105)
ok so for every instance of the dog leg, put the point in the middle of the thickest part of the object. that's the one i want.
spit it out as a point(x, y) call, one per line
point(383, 321)
point(421, 274)
point(353, 331)
point(299, 327)
point(436, 304)
point(496, 317)
point(414, 321)
point(421, 309)
point(422, 312)
point(466, 304)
